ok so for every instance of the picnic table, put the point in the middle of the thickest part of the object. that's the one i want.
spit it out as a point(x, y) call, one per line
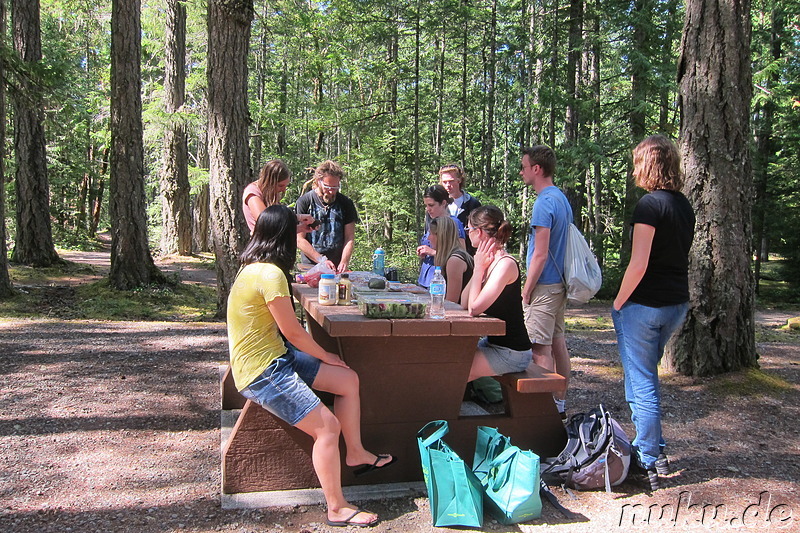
point(411, 371)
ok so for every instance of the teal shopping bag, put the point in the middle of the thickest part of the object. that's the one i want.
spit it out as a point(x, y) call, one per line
point(509, 476)
point(454, 492)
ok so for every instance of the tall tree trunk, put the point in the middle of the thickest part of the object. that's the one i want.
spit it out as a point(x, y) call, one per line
point(176, 226)
point(574, 48)
point(491, 75)
point(229, 152)
point(201, 229)
point(640, 84)
point(464, 102)
point(5, 282)
point(765, 148)
point(714, 76)
point(33, 244)
point(131, 263)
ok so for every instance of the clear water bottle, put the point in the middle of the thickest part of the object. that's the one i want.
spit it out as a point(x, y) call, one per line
point(378, 260)
point(438, 288)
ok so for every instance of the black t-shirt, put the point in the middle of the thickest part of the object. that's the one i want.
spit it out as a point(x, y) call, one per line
point(666, 281)
point(328, 238)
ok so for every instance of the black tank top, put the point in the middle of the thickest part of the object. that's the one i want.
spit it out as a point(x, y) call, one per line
point(508, 307)
point(464, 256)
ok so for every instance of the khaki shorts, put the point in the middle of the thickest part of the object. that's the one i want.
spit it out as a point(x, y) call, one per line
point(544, 317)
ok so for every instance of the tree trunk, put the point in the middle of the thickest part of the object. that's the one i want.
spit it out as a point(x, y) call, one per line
point(574, 47)
point(488, 138)
point(765, 149)
point(5, 282)
point(176, 226)
point(229, 152)
point(640, 83)
point(714, 76)
point(131, 263)
point(201, 231)
point(33, 244)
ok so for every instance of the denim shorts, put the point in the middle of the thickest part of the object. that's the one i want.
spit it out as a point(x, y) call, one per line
point(284, 388)
point(504, 360)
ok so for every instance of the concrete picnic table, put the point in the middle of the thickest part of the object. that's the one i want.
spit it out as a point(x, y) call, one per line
point(411, 371)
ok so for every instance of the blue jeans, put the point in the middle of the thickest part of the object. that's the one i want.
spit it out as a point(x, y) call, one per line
point(642, 333)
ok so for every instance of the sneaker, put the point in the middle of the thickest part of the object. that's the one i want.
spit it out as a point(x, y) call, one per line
point(662, 465)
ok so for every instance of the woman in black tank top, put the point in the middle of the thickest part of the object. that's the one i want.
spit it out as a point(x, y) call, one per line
point(495, 289)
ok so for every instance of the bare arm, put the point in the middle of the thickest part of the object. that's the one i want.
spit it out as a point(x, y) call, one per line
point(455, 268)
point(640, 256)
point(283, 312)
point(256, 205)
point(304, 246)
point(480, 297)
point(349, 245)
point(538, 260)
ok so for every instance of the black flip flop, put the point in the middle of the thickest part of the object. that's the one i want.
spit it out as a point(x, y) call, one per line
point(366, 469)
point(348, 521)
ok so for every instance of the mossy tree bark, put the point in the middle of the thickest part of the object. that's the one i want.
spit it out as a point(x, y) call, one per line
point(715, 92)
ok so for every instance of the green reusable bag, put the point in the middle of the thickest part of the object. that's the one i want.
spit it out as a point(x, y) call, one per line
point(509, 476)
point(455, 494)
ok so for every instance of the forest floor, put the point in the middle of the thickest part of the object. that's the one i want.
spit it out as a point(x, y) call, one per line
point(115, 426)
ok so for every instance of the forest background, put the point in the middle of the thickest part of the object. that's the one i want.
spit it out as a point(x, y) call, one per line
point(392, 90)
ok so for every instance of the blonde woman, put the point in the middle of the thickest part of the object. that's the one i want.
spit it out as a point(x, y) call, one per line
point(451, 256)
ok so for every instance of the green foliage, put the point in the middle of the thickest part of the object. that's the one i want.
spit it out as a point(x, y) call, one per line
point(394, 90)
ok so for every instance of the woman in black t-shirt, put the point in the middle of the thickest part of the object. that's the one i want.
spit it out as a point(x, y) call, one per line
point(653, 297)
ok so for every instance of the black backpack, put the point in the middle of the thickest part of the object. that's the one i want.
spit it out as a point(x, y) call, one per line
point(597, 454)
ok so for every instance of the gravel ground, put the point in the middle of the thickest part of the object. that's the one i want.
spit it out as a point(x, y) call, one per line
point(114, 426)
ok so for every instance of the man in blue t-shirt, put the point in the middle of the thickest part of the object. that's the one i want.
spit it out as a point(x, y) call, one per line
point(334, 239)
point(544, 296)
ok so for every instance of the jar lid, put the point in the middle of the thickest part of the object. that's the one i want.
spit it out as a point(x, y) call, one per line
point(327, 276)
point(346, 276)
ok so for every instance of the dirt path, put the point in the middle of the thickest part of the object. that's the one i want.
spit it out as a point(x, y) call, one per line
point(114, 426)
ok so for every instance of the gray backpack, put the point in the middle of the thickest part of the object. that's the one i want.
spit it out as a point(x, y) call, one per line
point(597, 454)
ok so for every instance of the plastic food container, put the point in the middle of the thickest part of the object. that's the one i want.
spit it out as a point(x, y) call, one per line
point(387, 306)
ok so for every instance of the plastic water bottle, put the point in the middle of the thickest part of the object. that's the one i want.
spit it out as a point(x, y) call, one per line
point(438, 288)
point(378, 259)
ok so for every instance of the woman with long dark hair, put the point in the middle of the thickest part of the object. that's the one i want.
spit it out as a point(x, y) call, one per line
point(653, 297)
point(436, 201)
point(279, 375)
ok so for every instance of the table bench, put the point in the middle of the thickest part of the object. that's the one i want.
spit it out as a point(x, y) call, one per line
point(411, 371)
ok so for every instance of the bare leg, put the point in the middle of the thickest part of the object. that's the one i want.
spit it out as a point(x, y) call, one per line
point(324, 428)
point(562, 363)
point(480, 366)
point(543, 356)
point(343, 383)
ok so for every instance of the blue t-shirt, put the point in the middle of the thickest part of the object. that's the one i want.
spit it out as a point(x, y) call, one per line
point(551, 210)
point(427, 268)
